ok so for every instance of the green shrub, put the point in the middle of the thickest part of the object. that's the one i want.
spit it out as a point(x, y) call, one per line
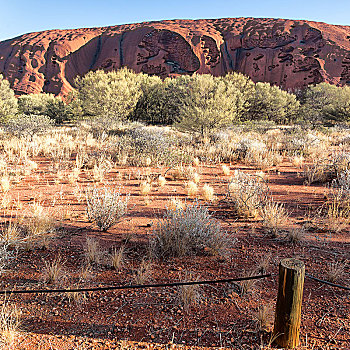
point(325, 103)
point(112, 94)
point(271, 103)
point(210, 103)
point(8, 101)
point(44, 104)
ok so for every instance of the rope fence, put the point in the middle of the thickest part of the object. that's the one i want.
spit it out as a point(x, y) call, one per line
point(326, 282)
point(156, 285)
point(133, 286)
point(288, 305)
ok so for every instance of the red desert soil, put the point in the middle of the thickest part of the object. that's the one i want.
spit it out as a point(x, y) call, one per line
point(289, 53)
point(153, 318)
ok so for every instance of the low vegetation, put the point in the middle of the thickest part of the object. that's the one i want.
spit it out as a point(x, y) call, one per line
point(134, 180)
point(189, 230)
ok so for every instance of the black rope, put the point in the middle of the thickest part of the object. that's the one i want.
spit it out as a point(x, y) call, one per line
point(326, 282)
point(137, 286)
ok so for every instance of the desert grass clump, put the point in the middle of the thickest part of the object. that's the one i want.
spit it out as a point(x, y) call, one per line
point(182, 172)
point(247, 194)
point(191, 188)
point(10, 234)
point(337, 213)
point(143, 273)
point(335, 271)
point(274, 217)
point(93, 252)
point(189, 295)
point(41, 222)
point(263, 317)
point(296, 235)
point(74, 175)
point(226, 170)
point(247, 285)
point(196, 178)
point(6, 256)
point(148, 161)
point(192, 230)
point(298, 161)
point(106, 207)
point(77, 298)
point(54, 271)
point(145, 188)
point(118, 258)
point(196, 162)
point(208, 193)
point(5, 184)
point(317, 171)
point(9, 324)
point(161, 181)
point(175, 203)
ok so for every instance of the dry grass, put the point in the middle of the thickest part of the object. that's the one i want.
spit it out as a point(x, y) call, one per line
point(264, 317)
point(247, 194)
point(264, 263)
point(78, 298)
point(175, 203)
point(226, 170)
point(93, 252)
point(337, 216)
point(188, 231)
point(296, 235)
point(196, 178)
point(9, 324)
point(208, 193)
point(161, 181)
point(274, 217)
point(144, 272)
point(145, 189)
point(196, 162)
point(118, 258)
point(298, 161)
point(10, 233)
point(191, 188)
point(189, 295)
point(5, 184)
point(247, 285)
point(335, 271)
point(41, 221)
point(54, 271)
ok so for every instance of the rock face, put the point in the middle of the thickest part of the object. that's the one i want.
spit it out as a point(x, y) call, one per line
point(291, 54)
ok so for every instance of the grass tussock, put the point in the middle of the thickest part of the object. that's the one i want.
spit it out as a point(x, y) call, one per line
point(9, 324)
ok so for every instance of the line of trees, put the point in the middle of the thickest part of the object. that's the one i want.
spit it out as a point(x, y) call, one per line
point(197, 103)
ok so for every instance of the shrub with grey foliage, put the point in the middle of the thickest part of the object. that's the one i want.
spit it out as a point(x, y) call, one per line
point(27, 125)
point(105, 207)
point(188, 231)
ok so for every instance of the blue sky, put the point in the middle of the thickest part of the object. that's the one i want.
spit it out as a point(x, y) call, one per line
point(23, 16)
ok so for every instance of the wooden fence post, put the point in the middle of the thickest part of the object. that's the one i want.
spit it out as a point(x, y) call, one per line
point(289, 299)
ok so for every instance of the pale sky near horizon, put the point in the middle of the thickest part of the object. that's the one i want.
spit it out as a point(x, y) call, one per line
point(23, 16)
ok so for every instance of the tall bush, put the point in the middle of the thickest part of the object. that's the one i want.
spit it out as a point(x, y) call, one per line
point(8, 101)
point(325, 103)
point(44, 104)
point(271, 103)
point(112, 94)
point(209, 103)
